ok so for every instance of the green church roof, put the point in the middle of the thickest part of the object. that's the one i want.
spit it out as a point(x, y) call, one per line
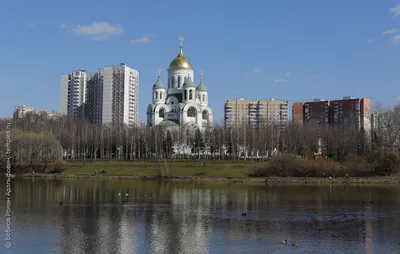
point(202, 87)
point(159, 84)
point(168, 123)
point(189, 83)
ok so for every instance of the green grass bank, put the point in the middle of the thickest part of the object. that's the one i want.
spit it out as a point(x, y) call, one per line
point(185, 170)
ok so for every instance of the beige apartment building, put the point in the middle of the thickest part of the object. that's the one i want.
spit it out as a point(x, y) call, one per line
point(255, 112)
point(20, 112)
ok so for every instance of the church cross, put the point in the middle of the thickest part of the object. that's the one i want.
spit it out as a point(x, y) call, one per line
point(201, 75)
point(159, 71)
point(181, 39)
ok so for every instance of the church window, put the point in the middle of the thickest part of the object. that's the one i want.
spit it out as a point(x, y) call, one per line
point(191, 112)
point(187, 136)
point(190, 94)
point(156, 95)
point(186, 94)
point(173, 81)
point(161, 113)
point(204, 97)
point(205, 115)
point(161, 95)
point(179, 82)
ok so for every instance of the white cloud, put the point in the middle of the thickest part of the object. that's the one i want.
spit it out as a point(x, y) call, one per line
point(391, 31)
point(395, 10)
point(29, 25)
point(396, 39)
point(258, 70)
point(144, 39)
point(280, 80)
point(372, 40)
point(64, 26)
point(398, 98)
point(315, 76)
point(286, 74)
point(98, 30)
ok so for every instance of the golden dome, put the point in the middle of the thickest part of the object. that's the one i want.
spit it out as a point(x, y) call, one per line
point(180, 62)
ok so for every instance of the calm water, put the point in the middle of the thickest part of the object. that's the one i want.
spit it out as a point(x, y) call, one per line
point(154, 217)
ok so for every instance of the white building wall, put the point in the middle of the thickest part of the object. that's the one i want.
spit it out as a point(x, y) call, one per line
point(73, 94)
point(107, 76)
point(134, 97)
point(176, 73)
point(64, 94)
point(129, 101)
point(127, 93)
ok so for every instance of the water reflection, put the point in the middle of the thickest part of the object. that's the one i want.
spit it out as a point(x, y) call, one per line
point(164, 217)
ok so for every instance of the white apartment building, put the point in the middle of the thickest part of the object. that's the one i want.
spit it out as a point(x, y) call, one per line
point(119, 89)
point(109, 96)
point(73, 94)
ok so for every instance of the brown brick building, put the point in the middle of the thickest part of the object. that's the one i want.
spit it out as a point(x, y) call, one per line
point(346, 110)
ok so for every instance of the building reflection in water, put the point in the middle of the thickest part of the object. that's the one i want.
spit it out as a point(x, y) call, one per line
point(368, 230)
point(197, 218)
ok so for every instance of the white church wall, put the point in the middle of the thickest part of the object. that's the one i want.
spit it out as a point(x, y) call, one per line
point(176, 73)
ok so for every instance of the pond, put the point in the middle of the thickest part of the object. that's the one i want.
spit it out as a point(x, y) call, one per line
point(111, 216)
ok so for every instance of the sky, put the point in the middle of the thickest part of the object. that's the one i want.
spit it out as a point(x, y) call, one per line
point(282, 49)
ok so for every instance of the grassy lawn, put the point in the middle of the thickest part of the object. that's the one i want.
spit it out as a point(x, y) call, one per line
point(235, 169)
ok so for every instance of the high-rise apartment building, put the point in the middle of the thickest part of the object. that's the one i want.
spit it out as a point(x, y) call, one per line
point(73, 94)
point(298, 113)
point(109, 96)
point(348, 110)
point(256, 112)
point(119, 87)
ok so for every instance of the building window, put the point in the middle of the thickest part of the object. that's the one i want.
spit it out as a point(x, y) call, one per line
point(205, 114)
point(161, 113)
point(161, 95)
point(179, 82)
point(156, 95)
point(185, 94)
point(173, 81)
point(191, 112)
point(204, 97)
point(190, 94)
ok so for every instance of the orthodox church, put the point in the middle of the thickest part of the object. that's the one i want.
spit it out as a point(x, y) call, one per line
point(183, 104)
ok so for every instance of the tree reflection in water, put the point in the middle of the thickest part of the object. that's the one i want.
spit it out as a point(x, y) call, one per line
point(179, 217)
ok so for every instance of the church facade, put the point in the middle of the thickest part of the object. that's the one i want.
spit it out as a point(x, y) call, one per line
point(182, 105)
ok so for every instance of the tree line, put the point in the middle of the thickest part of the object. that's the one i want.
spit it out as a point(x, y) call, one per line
point(38, 139)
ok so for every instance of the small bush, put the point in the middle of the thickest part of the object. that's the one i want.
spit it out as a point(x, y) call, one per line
point(384, 162)
point(291, 166)
point(359, 167)
point(58, 166)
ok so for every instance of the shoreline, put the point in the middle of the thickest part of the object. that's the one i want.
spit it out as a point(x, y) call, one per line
point(393, 180)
